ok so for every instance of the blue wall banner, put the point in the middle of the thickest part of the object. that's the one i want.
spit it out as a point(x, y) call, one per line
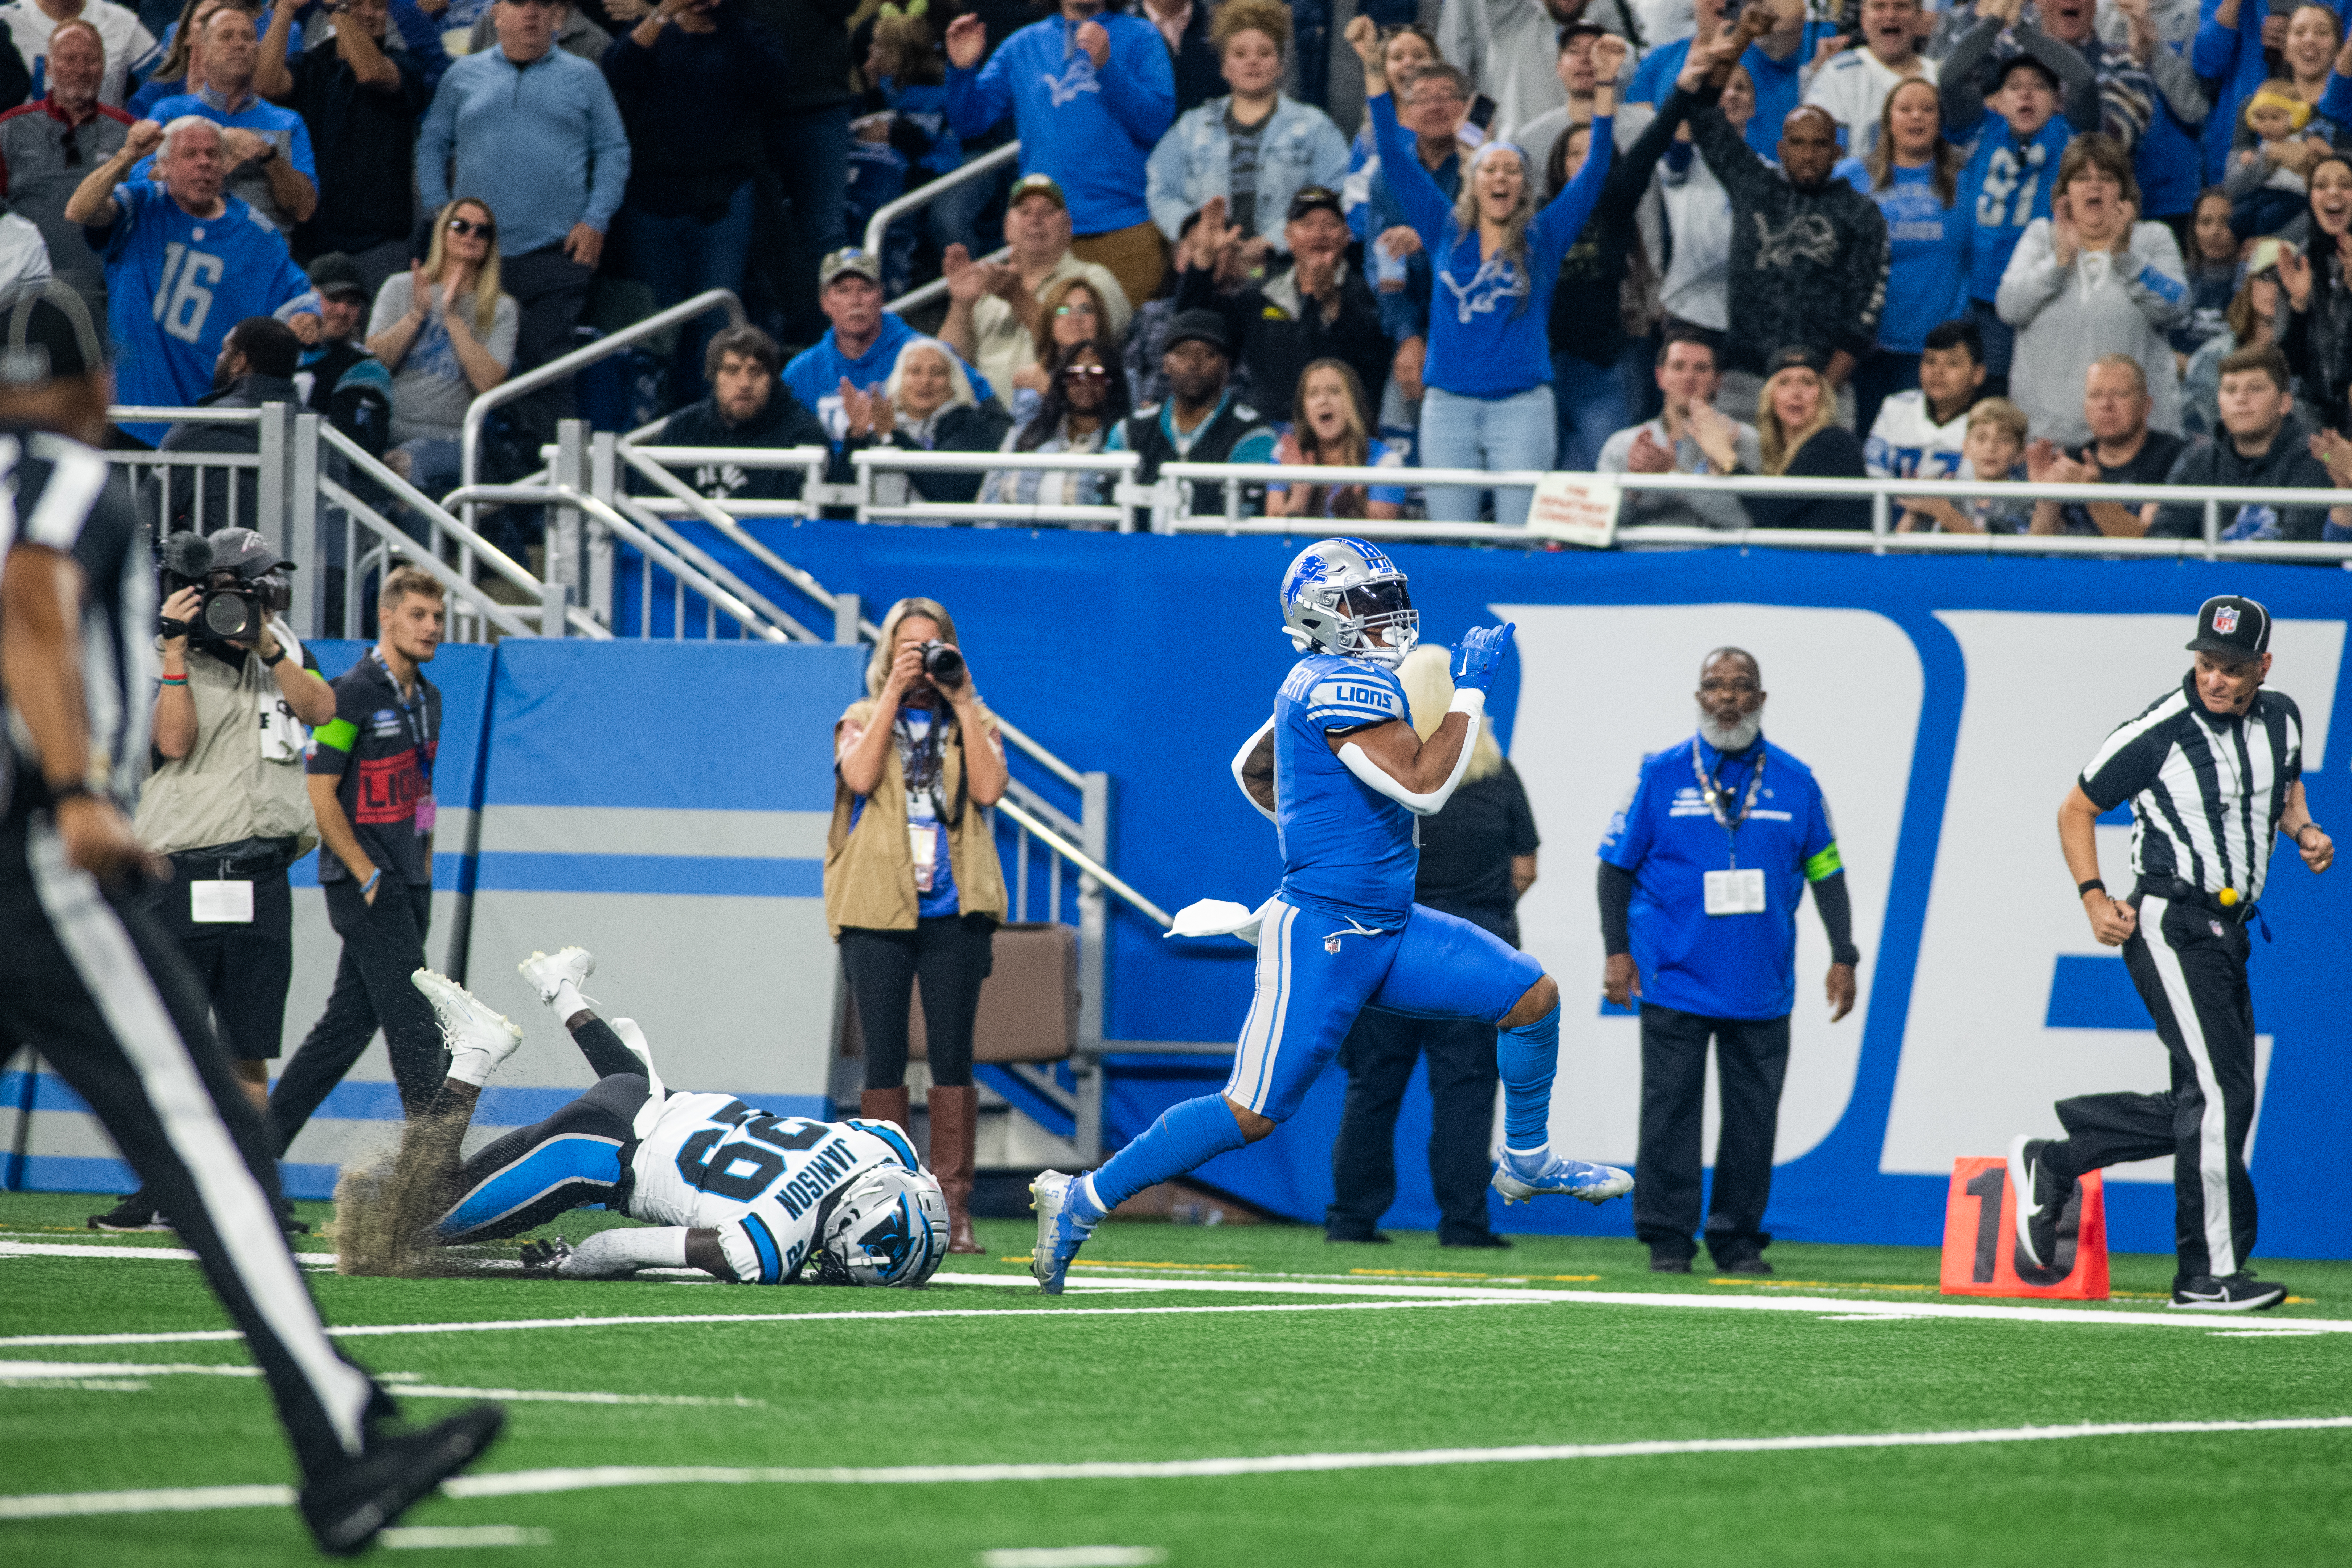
point(1945, 704)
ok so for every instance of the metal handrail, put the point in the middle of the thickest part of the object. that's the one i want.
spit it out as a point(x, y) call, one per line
point(1086, 862)
point(611, 517)
point(139, 413)
point(658, 526)
point(878, 227)
point(498, 614)
point(647, 461)
point(899, 459)
point(438, 512)
point(915, 299)
point(563, 366)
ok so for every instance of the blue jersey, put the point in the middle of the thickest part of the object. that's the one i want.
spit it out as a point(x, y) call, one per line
point(2006, 185)
point(1348, 850)
point(1720, 966)
point(176, 284)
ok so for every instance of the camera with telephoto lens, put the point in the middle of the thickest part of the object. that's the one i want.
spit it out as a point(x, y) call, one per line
point(229, 611)
point(942, 663)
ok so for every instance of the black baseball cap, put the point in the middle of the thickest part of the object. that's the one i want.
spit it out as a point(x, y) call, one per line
point(1310, 197)
point(1199, 326)
point(336, 275)
point(1580, 30)
point(1791, 356)
point(2025, 62)
point(2234, 627)
point(46, 333)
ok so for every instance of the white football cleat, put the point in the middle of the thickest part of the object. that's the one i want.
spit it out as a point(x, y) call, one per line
point(478, 1040)
point(1573, 1178)
point(547, 972)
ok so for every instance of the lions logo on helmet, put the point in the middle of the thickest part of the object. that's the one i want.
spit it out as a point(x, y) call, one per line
point(1339, 591)
point(889, 1227)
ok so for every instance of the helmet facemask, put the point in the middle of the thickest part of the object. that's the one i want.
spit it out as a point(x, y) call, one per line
point(1384, 608)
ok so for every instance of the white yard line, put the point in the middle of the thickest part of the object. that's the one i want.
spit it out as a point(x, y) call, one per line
point(1843, 1309)
point(75, 1373)
point(517, 1483)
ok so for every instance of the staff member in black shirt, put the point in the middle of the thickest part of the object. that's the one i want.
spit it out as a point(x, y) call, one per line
point(2214, 771)
point(1477, 858)
point(372, 788)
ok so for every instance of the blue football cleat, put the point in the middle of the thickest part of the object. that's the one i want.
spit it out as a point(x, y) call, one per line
point(1059, 1235)
point(1592, 1184)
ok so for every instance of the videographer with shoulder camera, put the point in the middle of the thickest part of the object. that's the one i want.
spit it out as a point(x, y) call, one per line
point(912, 887)
point(227, 802)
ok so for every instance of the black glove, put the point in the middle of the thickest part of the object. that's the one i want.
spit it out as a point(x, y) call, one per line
point(171, 629)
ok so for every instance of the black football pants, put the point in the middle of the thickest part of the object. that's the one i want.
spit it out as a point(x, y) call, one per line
point(2193, 980)
point(1378, 1054)
point(1751, 1058)
point(91, 982)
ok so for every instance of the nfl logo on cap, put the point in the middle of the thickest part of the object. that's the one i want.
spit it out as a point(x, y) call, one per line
point(2225, 620)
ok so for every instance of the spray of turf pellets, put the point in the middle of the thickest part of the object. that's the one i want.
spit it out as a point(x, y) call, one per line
point(386, 1207)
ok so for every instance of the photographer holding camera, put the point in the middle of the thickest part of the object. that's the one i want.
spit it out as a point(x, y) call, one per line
point(227, 802)
point(912, 887)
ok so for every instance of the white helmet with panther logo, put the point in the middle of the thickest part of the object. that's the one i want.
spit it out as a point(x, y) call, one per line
point(888, 1226)
point(1340, 590)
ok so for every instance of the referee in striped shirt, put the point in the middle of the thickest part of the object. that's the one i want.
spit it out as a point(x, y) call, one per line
point(2213, 770)
point(90, 980)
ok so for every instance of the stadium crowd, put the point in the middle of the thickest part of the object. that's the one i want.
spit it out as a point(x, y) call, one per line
point(2042, 239)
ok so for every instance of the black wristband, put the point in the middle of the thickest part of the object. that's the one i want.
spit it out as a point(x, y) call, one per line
point(274, 660)
point(2082, 888)
point(60, 794)
point(2306, 827)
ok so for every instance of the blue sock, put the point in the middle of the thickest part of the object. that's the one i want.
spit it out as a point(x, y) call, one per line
point(1527, 1057)
point(1185, 1138)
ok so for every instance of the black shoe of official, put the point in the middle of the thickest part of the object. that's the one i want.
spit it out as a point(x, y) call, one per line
point(1485, 1239)
point(131, 1213)
point(2041, 1198)
point(288, 1221)
point(2239, 1292)
point(1358, 1238)
point(1743, 1263)
point(347, 1508)
point(1665, 1263)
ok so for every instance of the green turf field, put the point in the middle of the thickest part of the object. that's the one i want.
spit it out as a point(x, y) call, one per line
point(1346, 1366)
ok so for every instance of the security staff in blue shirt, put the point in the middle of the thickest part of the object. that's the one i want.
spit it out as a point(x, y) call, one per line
point(1700, 875)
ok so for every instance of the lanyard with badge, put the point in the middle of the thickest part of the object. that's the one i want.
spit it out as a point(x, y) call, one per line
point(412, 713)
point(919, 761)
point(1734, 891)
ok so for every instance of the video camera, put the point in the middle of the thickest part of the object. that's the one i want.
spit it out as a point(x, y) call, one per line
point(230, 611)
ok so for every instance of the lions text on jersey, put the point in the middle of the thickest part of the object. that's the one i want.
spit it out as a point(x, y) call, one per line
point(714, 1162)
point(176, 284)
point(1348, 850)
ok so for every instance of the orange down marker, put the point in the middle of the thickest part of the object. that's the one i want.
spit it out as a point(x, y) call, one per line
point(1982, 1255)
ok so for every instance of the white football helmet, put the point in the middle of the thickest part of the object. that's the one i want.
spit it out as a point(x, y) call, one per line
point(888, 1227)
point(1339, 591)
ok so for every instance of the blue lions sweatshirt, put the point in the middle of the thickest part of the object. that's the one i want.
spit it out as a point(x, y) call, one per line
point(1488, 318)
point(1091, 132)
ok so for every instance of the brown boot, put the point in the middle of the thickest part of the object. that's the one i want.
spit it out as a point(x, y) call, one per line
point(886, 1105)
point(953, 1114)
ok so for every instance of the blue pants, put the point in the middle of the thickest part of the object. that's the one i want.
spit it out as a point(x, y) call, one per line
point(1316, 973)
point(1590, 402)
point(1493, 433)
point(678, 258)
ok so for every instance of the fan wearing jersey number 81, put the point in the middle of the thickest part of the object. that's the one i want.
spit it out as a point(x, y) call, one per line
point(722, 1185)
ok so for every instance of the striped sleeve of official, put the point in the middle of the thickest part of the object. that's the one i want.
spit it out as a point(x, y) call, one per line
point(67, 492)
point(1825, 864)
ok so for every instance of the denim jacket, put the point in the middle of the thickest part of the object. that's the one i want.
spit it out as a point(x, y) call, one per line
point(1299, 146)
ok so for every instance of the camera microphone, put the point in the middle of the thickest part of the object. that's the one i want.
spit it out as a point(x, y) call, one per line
point(188, 555)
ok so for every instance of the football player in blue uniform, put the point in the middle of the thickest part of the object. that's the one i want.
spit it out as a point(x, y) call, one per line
point(726, 1188)
point(1340, 773)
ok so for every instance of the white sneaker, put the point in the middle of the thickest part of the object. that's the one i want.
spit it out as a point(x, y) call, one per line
point(547, 972)
point(478, 1040)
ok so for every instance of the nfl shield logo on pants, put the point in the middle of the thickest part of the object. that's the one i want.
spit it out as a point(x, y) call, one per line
point(1331, 945)
point(2225, 620)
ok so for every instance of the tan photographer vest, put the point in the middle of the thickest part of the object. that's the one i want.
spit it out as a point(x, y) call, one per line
point(870, 870)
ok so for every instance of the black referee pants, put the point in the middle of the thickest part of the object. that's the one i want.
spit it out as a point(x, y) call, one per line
point(89, 982)
point(383, 945)
point(2193, 980)
point(1751, 1058)
point(1378, 1054)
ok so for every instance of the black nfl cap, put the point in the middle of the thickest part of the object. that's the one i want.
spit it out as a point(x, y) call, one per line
point(2016, 63)
point(2234, 627)
point(1310, 197)
point(46, 333)
point(1199, 326)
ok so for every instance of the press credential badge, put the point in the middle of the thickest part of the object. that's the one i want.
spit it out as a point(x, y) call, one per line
point(1735, 892)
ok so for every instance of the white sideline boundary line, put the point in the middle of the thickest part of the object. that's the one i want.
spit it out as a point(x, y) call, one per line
point(68, 1373)
point(1392, 1295)
point(519, 1483)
